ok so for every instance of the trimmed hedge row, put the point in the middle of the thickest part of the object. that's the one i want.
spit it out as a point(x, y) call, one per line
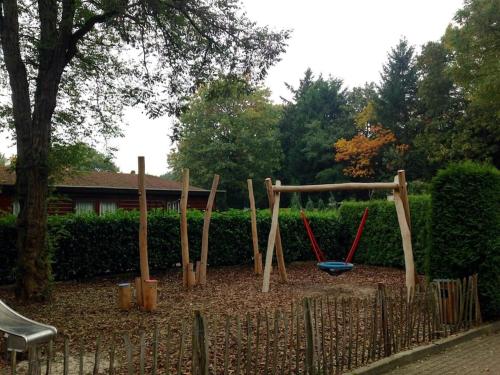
point(466, 229)
point(87, 246)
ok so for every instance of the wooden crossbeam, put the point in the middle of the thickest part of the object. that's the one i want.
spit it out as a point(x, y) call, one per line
point(334, 187)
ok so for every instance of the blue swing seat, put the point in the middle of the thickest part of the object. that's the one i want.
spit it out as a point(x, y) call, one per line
point(335, 268)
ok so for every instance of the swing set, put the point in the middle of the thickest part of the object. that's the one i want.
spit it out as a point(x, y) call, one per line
point(334, 268)
point(400, 193)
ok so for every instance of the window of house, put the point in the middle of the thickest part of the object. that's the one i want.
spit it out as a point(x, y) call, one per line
point(174, 205)
point(107, 207)
point(84, 207)
point(16, 208)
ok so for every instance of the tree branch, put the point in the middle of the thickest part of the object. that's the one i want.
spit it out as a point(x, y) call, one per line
point(18, 77)
point(195, 26)
point(85, 29)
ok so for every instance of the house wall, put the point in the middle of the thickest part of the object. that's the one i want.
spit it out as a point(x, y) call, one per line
point(5, 203)
point(64, 202)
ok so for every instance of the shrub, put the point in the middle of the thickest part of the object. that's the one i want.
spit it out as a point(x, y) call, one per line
point(8, 255)
point(87, 246)
point(465, 224)
point(321, 205)
point(295, 202)
point(84, 246)
point(309, 204)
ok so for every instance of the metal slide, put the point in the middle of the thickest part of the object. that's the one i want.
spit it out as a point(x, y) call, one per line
point(22, 332)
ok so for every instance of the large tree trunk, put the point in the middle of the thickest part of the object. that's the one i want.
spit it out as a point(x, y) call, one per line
point(32, 121)
point(32, 190)
point(32, 169)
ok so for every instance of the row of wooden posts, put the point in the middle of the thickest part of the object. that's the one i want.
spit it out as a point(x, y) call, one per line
point(318, 335)
point(146, 289)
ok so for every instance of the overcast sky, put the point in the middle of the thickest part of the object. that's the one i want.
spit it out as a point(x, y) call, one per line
point(347, 39)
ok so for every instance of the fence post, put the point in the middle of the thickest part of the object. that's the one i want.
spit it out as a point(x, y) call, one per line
point(309, 331)
point(383, 314)
point(200, 345)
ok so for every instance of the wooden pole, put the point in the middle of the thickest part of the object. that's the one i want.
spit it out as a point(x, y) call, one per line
point(124, 296)
point(404, 195)
point(257, 258)
point(143, 224)
point(138, 291)
point(271, 241)
point(279, 247)
point(206, 227)
point(333, 187)
point(150, 293)
point(403, 190)
point(184, 228)
point(406, 237)
point(191, 275)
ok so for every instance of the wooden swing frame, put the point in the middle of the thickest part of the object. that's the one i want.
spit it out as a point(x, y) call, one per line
point(400, 193)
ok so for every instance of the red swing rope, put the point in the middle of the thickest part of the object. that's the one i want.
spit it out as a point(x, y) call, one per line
point(358, 237)
point(320, 256)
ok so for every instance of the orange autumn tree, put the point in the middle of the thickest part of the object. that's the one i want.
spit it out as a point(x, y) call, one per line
point(360, 152)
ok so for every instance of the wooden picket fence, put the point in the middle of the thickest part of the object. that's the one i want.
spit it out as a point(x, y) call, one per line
point(319, 335)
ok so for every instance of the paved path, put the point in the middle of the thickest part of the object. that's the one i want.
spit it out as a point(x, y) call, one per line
point(477, 356)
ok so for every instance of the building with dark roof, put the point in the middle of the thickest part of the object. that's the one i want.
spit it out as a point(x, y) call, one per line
point(103, 192)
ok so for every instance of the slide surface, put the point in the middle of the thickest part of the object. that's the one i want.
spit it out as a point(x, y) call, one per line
point(22, 332)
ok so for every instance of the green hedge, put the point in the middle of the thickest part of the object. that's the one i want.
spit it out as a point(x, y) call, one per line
point(7, 248)
point(87, 246)
point(465, 225)
point(381, 243)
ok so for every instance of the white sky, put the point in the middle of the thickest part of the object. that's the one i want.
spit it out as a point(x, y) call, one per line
point(348, 39)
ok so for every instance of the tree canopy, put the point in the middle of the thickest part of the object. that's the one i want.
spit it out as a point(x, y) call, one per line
point(396, 101)
point(312, 122)
point(230, 128)
point(3, 160)
point(78, 157)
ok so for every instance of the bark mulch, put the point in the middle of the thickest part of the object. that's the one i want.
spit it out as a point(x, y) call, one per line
point(87, 309)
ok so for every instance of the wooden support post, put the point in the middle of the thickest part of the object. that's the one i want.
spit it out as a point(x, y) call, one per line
point(271, 242)
point(191, 276)
point(259, 264)
point(403, 191)
point(143, 224)
point(138, 291)
point(279, 248)
point(124, 296)
point(150, 293)
point(206, 226)
point(257, 258)
point(406, 238)
point(197, 271)
point(184, 227)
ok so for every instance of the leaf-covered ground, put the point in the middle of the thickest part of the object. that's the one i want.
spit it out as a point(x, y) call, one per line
point(86, 310)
